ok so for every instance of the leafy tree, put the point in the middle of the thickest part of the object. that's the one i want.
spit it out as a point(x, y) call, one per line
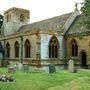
point(86, 11)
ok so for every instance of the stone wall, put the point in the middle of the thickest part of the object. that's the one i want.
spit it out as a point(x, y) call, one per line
point(12, 42)
point(83, 43)
point(45, 38)
point(62, 52)
point(31, 38)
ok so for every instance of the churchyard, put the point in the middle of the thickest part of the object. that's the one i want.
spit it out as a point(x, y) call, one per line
point(43, 80)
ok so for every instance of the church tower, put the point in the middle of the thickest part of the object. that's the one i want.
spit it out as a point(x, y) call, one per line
point(14, 18)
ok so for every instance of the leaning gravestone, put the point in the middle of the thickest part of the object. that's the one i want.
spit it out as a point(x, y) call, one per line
point(71, 66)
point(52, 68)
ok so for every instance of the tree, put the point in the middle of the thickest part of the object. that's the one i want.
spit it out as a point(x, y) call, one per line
point(86, 11)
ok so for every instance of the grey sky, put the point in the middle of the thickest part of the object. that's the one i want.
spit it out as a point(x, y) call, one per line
point(40, 9)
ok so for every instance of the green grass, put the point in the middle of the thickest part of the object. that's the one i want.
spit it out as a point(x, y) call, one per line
point(78, 84)
point(44, 81)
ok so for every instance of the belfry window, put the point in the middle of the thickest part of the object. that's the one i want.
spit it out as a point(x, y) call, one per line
point(16, 47)
point(7, 18)
point(8, 50)
point(53, 47)
point(27, 49)
point(21, 18)
point(74, 48)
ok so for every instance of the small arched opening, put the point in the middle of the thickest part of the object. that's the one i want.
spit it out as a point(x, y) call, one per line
point(83, 59)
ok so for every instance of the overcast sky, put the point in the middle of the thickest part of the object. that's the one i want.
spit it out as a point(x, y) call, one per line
point(40, 9)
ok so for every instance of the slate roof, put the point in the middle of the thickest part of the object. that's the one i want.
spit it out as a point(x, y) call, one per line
point(77, 26)
point(55, 23)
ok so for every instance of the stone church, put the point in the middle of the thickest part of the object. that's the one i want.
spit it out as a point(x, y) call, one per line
point(51, 41)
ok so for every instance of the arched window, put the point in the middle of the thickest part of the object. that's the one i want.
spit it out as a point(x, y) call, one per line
point(16, 47)
point(53, 47)
point(7, 50)
point(74, 48)
point(27, 49)
point(8, 17)
point(21, 18)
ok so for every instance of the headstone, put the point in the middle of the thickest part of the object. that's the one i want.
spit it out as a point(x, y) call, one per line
point(16, 66)
point(11, 68)
point(71, 66)
point(20, 66)
point(25, 67)
point(52, 68)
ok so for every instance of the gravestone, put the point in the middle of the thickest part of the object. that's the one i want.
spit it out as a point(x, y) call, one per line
point(20, 66)
point(11, 68)
point(25, 67)
point(52, 68)
point(16, 66)
point(71, 66)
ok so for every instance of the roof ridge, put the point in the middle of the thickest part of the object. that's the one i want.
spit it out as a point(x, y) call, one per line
point(52, 17)
point(54, 23)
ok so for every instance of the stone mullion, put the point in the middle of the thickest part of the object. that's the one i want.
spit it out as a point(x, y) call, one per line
point(51, 50)
point(54, 51)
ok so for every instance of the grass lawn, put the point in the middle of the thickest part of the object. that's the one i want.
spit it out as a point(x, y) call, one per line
point(61, 80)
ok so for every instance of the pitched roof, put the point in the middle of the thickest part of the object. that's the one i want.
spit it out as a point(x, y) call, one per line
point(77, 26)
point(55, 24)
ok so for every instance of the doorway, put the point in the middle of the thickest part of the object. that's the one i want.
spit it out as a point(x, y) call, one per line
point(83, 59)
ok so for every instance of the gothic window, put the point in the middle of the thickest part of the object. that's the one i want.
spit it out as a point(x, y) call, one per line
point(53, 47)
point(16, 47)
point(8, 50)
point(27, 49)
point(21, 18)
point(8, 18)
point(74, 48)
